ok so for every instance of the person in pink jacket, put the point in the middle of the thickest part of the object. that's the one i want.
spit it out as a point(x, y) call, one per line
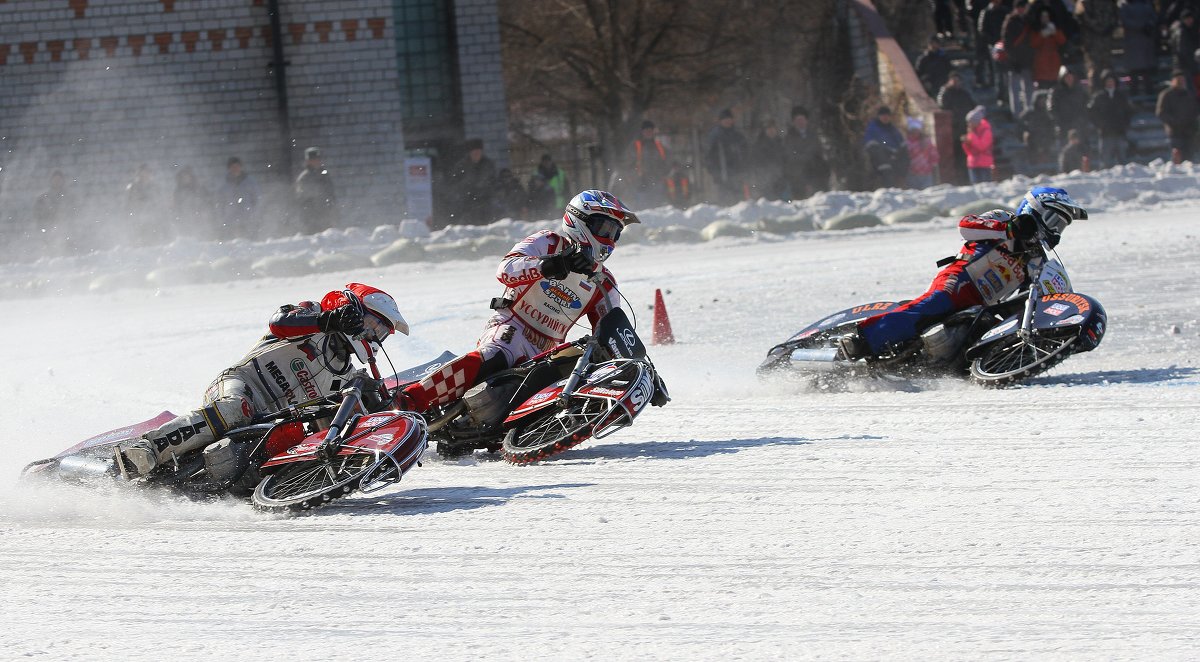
point(977, 143)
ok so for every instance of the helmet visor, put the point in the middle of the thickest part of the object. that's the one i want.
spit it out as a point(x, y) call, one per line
point(603, 227)
point(375, 327)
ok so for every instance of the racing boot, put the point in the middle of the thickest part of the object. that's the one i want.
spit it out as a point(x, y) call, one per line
point(181, 435)
point(851, 347)
point(137, 456)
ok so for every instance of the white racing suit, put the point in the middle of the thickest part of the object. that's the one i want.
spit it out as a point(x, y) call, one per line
point(534, 314)
point(294, 363)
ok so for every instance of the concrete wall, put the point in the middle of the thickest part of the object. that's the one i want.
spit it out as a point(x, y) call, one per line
point(485, 114)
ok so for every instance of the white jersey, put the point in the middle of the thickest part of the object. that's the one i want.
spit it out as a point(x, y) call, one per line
point(548, 307)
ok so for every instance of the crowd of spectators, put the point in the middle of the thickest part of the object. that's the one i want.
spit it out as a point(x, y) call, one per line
point(1066, 77)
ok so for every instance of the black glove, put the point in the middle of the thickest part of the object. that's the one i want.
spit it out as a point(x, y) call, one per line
point(555, 267)
point(1025, 231)
point(660, 397)
point(344, 319)
point(570, 259)
point(1052, 239)
point(581, 262)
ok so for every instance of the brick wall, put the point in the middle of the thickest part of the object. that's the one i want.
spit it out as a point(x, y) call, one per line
point(96, 87)
point(485, 114)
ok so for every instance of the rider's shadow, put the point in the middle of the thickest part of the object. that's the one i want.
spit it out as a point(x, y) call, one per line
point(1135, 376)
point(685, 449)
point(448, 499)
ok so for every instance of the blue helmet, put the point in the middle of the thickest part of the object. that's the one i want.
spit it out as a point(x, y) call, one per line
point(1052, 207)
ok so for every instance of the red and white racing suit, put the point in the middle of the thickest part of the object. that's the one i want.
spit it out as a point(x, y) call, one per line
point(538, 314)
point(293, 364)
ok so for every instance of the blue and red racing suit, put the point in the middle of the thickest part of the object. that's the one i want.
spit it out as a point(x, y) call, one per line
point(987, 270)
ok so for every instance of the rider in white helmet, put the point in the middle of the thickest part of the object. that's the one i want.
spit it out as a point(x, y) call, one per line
point(552, 279)
point(306, 355)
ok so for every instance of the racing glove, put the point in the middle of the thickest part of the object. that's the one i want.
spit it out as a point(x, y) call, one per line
point(570, 259)
point(1025, 231)
point(343, 319)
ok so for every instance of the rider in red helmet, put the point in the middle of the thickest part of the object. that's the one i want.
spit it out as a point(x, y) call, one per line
point(306, 355)
point(552, 279)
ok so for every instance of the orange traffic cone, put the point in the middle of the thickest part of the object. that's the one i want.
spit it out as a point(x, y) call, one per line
point(662, 323)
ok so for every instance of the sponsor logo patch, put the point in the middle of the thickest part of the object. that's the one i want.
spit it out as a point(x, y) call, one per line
point(1056, 309)
point(561, 294)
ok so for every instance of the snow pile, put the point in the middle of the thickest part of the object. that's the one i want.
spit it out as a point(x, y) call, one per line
point(189, 261)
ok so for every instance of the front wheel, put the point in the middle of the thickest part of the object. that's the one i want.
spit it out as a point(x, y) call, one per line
point(305, 485)
point(1015, 359)
point(553, 430)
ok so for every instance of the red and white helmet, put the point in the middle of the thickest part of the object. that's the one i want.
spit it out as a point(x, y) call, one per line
point(594, 219)
point(381, 315)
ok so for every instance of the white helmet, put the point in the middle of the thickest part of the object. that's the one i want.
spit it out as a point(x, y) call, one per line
point(594, 219)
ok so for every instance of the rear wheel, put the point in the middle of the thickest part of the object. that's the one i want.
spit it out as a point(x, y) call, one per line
point(553, 431)
point(306, 485)
point(1015, 359)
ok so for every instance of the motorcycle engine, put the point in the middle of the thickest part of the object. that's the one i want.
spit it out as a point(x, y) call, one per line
point(225, 460)
point(487, 404)
point(942, 342)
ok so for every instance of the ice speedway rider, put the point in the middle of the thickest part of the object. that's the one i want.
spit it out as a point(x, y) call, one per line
point(306, 355)
point(991, 265)
point(552, 279)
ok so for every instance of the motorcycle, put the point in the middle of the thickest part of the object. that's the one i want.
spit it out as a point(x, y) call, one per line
point(293, 460)
point(579, 390)
point(999, 345)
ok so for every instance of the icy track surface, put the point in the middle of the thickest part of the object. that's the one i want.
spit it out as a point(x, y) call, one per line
point(1060, 520)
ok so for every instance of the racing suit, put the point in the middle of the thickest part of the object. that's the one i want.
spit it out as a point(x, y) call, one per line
point(534, 314)
point(295, 363)
point(988, 269)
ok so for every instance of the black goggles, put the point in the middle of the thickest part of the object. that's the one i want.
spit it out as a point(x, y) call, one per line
point(603, 227)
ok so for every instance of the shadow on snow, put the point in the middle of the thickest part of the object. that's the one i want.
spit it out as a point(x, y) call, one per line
point(1136, 376)
point(446, 499)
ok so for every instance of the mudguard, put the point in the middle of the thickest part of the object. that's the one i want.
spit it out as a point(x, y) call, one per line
point(842, 317)
point(1070, 310)
point(392, 433)
point(629, 384)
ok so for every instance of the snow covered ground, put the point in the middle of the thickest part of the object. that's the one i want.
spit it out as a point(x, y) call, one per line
point(1060, 520)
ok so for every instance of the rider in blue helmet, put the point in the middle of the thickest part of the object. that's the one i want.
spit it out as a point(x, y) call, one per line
point(990, 266)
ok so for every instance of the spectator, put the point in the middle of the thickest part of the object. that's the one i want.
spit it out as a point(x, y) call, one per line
point(511, 198)
point(1178, 111)
point(1018, 58)
point(886, 150)
point(1068, 106)
point(989, 31)
point(191, 203)
point(943, 18)
point(1139, 23)
point(142, 208)
point(955, 99)
point(472, 184)
point(1098, 21)
point(650, 167)
point(1046, 40)
point(977, 143)
point(1074, 156)
point(804, 163)
point(1183, 43)
point(767, 162)
point(725, 157)
point(679, 185)
point(922, 156)
point(1111, 114)
point(239, 201)
point(313, 190)
point(548, 188)
point(1037, 132)
point(933, 66)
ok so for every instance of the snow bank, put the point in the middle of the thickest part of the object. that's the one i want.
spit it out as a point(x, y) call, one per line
point(187, 261)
